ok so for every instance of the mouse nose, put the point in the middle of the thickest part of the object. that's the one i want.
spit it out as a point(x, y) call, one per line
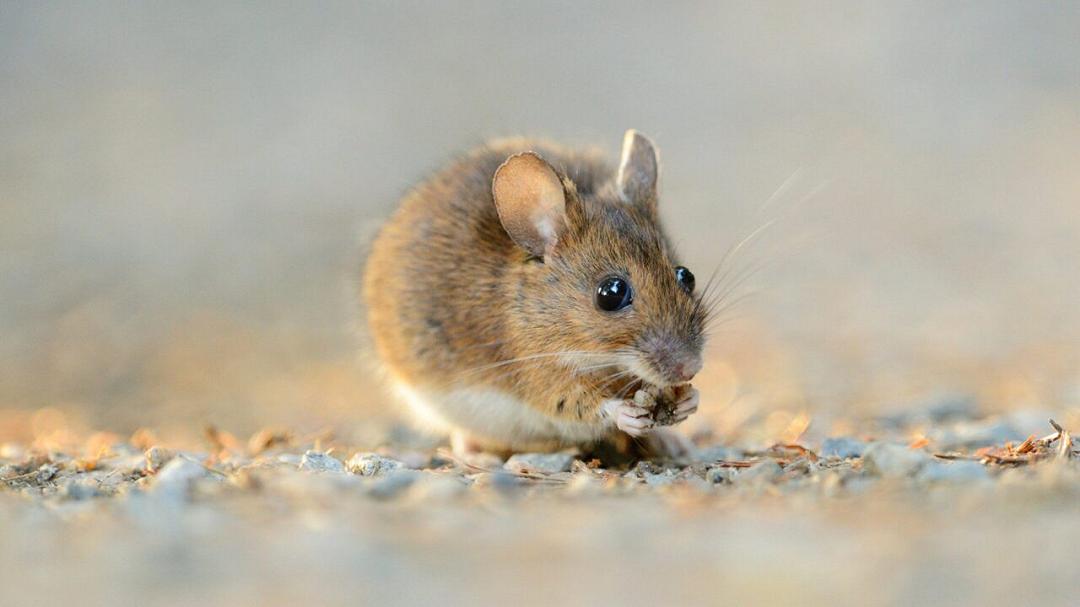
point(682, 373)
point(687, 369)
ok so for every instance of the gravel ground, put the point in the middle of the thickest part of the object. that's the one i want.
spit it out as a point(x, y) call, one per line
point(185, 188)
point(976, 510)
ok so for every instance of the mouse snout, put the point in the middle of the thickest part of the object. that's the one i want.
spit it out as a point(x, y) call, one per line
point(672, 362)
point(686, 368)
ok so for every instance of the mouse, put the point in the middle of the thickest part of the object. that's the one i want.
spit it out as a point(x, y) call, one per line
point(526, 297)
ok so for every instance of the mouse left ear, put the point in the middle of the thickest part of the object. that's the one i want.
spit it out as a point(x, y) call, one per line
point(639, 170)
point(531, 202)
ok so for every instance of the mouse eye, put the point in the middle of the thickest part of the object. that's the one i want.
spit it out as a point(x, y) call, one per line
point(613, 294)
point(685, 278)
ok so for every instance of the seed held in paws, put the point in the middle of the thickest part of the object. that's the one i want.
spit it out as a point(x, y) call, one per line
point(663, 402)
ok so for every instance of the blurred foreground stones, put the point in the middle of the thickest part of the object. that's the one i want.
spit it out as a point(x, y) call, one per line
point(969, 511)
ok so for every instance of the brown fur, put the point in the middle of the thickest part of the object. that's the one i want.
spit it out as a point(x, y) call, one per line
point(450, 296)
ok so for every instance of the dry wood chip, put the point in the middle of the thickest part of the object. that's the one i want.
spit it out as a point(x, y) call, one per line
point(1064, 450)
point(1027, 446)
point(919, 443)
point(267, 438)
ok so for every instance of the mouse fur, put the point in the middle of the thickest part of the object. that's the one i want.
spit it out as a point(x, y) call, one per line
point(481, 288)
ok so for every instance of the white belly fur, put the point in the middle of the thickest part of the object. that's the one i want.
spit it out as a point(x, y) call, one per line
point(493, 415)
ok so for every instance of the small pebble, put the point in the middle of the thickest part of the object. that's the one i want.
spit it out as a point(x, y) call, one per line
point(761, 472)
point(46, 472)
point(176, 478)
point(660, 480)
point(544, 463)
point(893, 461)
point(80, 489)
point(372, 464)
point(156, 457)
point(720, 475)
point(315, 461)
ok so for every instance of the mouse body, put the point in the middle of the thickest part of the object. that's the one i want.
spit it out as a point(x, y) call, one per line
point(518, 298)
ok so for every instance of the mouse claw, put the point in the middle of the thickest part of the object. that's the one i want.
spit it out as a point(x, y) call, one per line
point(628, 417)
point(688, 405)
point(634, 426)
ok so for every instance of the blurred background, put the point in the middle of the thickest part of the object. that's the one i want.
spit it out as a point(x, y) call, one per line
point(186, 190)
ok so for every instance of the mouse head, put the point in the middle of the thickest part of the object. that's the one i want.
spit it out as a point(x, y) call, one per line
point(598, 279)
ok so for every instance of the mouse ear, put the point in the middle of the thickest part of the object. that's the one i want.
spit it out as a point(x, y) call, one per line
point(531, 202)
point(638, 170)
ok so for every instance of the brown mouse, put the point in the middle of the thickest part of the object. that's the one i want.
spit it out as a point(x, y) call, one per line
point(521, 297)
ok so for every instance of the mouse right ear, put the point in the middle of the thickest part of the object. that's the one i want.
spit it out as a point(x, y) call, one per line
point(639, 170)
point(531, 202)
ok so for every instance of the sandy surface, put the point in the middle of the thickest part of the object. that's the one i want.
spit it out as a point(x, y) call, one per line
point(969, 513)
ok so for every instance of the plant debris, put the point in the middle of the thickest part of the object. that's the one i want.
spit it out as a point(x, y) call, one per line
point(1031, 450)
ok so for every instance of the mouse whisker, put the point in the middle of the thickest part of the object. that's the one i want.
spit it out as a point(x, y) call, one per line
point(546, 358)
point(716, 310)
point(721, 299)
point(780, 191)
point(616, 377)
point(734, 250)
point(603, 365)
point(531, 359)
point(723, 321)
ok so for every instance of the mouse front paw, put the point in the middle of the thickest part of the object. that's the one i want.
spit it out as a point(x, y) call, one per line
point(686, 404)
point(668, 406)
point(628, 416)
